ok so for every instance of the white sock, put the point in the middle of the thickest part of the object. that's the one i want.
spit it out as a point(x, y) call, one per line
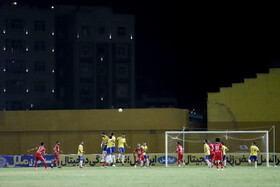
point(249, 161)
point(147, 160)
point(225, 162)
point(256, 164)
point(119, 156)
point(104, 155)
point(81, 163)
point(108, 159)
point(141, 163)
point(122, 158)
point(113, 158)
point(208, 162)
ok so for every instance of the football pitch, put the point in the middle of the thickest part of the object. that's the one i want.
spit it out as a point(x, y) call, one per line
point(130, 176)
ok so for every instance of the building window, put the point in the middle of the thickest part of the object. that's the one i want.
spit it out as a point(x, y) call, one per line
point(39, 86)
point(121, 90)
point(15, 86)
point(86, 50)
point(15, 45)
point(18, 45)
point(39, 66)
point(39, 25)
point(85, 30)
point(121, 51)
point(86, 90)
point(121, 71)
point(86, 70)
point(15, 66)
point(39, 46)
point(15, 24)
point(121, 31)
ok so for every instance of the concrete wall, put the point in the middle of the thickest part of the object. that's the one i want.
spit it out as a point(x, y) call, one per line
point(21, 130)
point(254, 100)
point(252, 105)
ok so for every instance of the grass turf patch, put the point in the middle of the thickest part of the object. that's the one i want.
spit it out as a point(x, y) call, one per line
point(128, 176)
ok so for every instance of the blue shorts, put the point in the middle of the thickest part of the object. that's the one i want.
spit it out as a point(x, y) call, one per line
point(224, 157)
point(113, 149)
point(109, 150)
point(255, 158)
point(105, 148)
point(145, 156)
point(207, 156)
point(81, 157)
point(121, 150)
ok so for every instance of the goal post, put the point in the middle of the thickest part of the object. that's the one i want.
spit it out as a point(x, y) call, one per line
point(239, 141)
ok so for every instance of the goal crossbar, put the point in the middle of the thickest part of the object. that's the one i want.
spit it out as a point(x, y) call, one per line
point(208, 132)
point(215, 132)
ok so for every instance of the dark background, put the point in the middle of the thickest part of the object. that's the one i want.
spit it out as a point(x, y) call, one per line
point(187, 50)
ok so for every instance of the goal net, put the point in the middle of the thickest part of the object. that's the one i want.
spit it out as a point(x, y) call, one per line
point(238, 143)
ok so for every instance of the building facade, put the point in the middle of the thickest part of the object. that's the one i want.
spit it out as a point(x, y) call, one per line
point(27, 58)
point(66, 57)
point(96, 58)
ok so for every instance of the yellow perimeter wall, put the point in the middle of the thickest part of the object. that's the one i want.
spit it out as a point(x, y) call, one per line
point(22, 130)
point(252, 105)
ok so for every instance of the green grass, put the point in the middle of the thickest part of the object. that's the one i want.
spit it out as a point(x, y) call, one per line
point(130, 176)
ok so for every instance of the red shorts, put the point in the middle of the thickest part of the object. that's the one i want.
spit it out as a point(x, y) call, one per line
point(140, 158)
point(56, 156)
point(39, 157)
point(218, 156)
point(212, 154)
point(180, 156)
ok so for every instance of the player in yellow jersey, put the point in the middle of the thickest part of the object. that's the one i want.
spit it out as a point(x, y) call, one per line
point(109, 152)
point(254, 152)
point(113, 149)
point(81, 153)
point(110, 144)
point(225, 149)
point(104, 144)
point(121, 143)
point(206, 153)
point(145, 149)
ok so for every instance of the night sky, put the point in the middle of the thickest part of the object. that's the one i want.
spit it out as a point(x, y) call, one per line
point(187, 50)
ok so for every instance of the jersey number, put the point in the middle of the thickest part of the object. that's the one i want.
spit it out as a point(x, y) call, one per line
point(39, 150)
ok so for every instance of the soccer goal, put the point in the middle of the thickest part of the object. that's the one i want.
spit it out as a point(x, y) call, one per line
point(238, 142)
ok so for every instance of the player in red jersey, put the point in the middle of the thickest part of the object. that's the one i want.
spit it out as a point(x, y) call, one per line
point(212, 153)
point(139, 150)
point(57, 155)
point(218, 149)
point(38, 156)
point(179, 151)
